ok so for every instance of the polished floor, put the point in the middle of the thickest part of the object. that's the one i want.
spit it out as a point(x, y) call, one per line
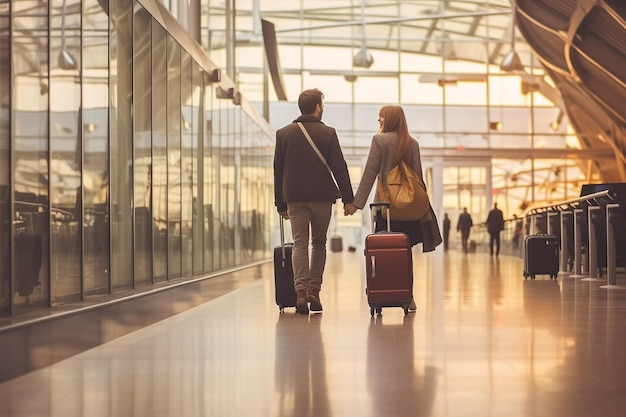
point(483, 342)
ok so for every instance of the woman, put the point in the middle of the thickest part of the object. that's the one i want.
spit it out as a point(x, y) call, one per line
point(390, 145)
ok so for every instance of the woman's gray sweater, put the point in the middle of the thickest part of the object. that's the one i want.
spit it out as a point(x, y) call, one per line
point(383, 156)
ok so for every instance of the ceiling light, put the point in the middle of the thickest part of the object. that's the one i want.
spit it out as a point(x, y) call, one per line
point(67, 60)
point(511, 62)
point(557, 123)
point(445, 48)
point(363, 58)
point(554, 126)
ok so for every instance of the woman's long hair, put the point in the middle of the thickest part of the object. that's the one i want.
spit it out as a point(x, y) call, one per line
point(395, 121)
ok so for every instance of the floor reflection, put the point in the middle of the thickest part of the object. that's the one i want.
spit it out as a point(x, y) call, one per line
point(300, 377)
point(483, 342)
point(399, 385)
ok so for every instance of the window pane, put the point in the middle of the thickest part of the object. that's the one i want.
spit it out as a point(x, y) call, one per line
point(142, 175)
point(227, 184)
point(5, 164)
point(121, 145)
point(207, 174)
point(95, 151)
point(31, 243)
point(187, 165)
point(196, 174)
point(174, 159)
point(65, 154)
point(159, 151)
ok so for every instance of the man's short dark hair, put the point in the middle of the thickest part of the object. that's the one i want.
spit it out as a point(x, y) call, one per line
point(309, 99)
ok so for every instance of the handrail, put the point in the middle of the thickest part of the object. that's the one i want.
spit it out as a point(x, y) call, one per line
point(569, 204)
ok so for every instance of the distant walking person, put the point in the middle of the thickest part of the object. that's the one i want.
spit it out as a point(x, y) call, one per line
point(304, 192)
point(495, 224)
point(446, 231)
point(464, 225)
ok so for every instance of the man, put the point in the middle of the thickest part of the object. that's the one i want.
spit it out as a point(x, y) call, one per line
point(495, 224)
point(446, 231)
point(304, 192)
point(464, 225)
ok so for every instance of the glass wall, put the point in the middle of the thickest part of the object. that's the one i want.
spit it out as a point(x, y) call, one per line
point(208, 177)
point(66, 136)
point(197, 144)
point(95, 147)
point(142, 149)
point(186, 177)
point(121, 144)
point(5, 162)
point(159, 154)
point(30, 150)
point(119, 165)
point(175, 181)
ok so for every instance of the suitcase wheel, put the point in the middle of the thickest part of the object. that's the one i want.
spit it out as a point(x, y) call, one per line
point(378, 310)
point(406, 310)
point(281, 308)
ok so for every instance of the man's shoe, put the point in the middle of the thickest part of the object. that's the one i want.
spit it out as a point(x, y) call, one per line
point(302, 306)
point(314, 301)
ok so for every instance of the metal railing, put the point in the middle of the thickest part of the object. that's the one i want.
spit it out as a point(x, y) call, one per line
point(591, 231)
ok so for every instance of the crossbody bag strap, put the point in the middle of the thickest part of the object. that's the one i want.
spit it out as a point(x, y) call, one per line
point(317, 151)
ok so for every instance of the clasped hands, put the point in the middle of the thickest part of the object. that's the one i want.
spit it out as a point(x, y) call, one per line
point(349, 209)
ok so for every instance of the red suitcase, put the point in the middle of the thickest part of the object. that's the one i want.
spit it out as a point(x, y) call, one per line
point(388, 266)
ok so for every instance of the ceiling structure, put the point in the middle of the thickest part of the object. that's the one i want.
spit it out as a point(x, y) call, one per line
point(571, 50)
point(581, 45)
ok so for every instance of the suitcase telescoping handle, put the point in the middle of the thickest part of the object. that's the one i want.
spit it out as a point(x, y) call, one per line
point(282, 237)
point(375, 207)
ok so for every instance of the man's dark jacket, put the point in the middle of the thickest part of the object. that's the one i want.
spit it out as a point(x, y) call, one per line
point(495, 221)
point(299, 174)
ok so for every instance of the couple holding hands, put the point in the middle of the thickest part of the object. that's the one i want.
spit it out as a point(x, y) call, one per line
point(307, 157)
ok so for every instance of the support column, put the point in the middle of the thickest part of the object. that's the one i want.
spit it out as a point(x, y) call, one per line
point(578, 242)
point(611, 255)
point(592, 244)
point(565, 217)
point(436, 188)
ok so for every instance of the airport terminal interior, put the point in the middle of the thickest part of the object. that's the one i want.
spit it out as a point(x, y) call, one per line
point(138, 227)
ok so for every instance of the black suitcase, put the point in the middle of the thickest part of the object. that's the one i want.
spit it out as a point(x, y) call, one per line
point(541, 256)
point(388, 267)
point(336, 243)
point(283, 273)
